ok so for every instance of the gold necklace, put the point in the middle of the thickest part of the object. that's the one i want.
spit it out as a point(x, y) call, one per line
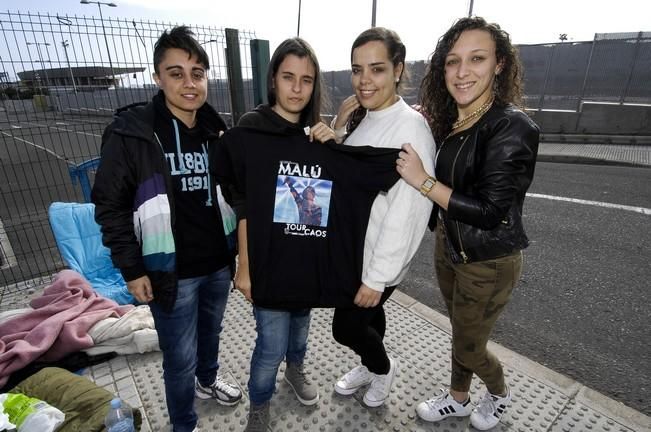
point(473, 115)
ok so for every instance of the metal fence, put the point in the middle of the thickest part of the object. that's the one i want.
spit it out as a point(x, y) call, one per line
point(614, 67)
point(61, 78)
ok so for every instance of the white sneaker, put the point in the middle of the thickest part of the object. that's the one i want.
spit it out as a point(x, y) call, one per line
point(357, 377)
point(489, 410)
point(380, 387)
point(443, 406)
point(222, 391)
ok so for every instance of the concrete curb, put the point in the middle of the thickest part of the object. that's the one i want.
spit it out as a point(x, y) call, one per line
point(569, 387)
point(588, 161)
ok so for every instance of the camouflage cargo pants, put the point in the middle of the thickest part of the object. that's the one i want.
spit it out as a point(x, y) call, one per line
point(475, 294)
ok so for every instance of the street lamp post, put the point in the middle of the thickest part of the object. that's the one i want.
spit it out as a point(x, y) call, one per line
point(108, 51)
point(65, 44)
point(40, 57)
point(298, 27)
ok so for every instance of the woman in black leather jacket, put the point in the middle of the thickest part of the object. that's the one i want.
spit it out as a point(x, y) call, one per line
point(484, 165)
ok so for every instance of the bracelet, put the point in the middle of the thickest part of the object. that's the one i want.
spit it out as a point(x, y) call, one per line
point(427, 185)
point(341, 132)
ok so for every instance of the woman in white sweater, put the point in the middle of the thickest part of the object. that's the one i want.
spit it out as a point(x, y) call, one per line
point(377, 116)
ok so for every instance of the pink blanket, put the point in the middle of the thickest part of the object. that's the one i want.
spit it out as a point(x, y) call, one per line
point(57, 326)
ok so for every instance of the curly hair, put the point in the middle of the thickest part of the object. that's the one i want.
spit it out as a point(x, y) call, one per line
point(434, 96)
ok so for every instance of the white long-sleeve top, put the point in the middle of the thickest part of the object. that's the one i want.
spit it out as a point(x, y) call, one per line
point(398, 217)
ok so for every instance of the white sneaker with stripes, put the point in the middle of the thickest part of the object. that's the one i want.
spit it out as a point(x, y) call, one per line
point(489, 410)
point(443, 406)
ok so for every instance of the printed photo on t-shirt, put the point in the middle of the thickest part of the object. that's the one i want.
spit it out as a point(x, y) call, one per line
point(302, 200)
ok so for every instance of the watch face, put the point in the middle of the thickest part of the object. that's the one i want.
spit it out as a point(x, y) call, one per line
point(427, 185)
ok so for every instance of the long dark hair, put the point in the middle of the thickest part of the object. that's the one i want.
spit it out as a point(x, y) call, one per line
point(311, 114)
point(435, 98)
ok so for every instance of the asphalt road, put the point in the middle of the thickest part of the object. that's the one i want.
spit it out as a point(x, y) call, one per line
point(582, 305)
point(36, 152)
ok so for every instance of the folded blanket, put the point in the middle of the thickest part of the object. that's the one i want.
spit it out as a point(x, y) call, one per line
point(57, 326)
point(134, 332)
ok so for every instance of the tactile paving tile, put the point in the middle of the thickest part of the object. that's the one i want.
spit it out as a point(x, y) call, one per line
point(400, 321)
point(423, 368)
point(148, 374)
point(237, 338)
point(237, 341)
point(347, 413)
point(116, 377)
point(534, 405)
point(578, 417)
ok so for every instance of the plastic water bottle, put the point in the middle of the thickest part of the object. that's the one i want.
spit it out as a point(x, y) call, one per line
point(119, 418)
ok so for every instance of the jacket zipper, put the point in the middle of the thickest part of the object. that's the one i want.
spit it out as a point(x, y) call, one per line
point(463, 254)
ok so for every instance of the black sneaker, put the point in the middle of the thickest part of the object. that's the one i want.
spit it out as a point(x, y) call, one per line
point(222, 391)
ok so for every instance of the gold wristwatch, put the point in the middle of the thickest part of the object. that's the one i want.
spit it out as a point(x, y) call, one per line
point(427, 185)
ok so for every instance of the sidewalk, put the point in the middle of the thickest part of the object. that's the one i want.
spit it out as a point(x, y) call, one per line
point(418, 337)
point(598, 154)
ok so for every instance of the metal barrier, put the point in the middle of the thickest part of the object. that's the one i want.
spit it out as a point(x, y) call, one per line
point(614, 67)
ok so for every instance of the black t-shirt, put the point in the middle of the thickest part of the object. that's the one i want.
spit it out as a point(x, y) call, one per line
point(307, 209)
point(198, 232)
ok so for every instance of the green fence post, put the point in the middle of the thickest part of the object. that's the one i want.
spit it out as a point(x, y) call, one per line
point(234, 68)
point(260, 64)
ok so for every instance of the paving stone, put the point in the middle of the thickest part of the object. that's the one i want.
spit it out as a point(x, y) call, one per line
point(577, 417)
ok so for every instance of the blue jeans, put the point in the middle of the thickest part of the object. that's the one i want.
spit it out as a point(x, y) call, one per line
point(189, 339)
point(282, 335)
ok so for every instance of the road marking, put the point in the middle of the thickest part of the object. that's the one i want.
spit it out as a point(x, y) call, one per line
point(72, 130)
point(93, 121)
point(38, 147)
point(6, 251)
point(642, 210)
point(58, 129)
point(35, 124)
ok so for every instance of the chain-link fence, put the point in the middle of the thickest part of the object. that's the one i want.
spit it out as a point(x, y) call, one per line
point(614, 67)
point(61, 78)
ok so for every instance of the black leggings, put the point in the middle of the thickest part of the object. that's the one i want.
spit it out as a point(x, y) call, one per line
point(362, 330)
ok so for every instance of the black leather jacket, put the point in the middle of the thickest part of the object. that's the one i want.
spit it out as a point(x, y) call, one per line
point(492, 167)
